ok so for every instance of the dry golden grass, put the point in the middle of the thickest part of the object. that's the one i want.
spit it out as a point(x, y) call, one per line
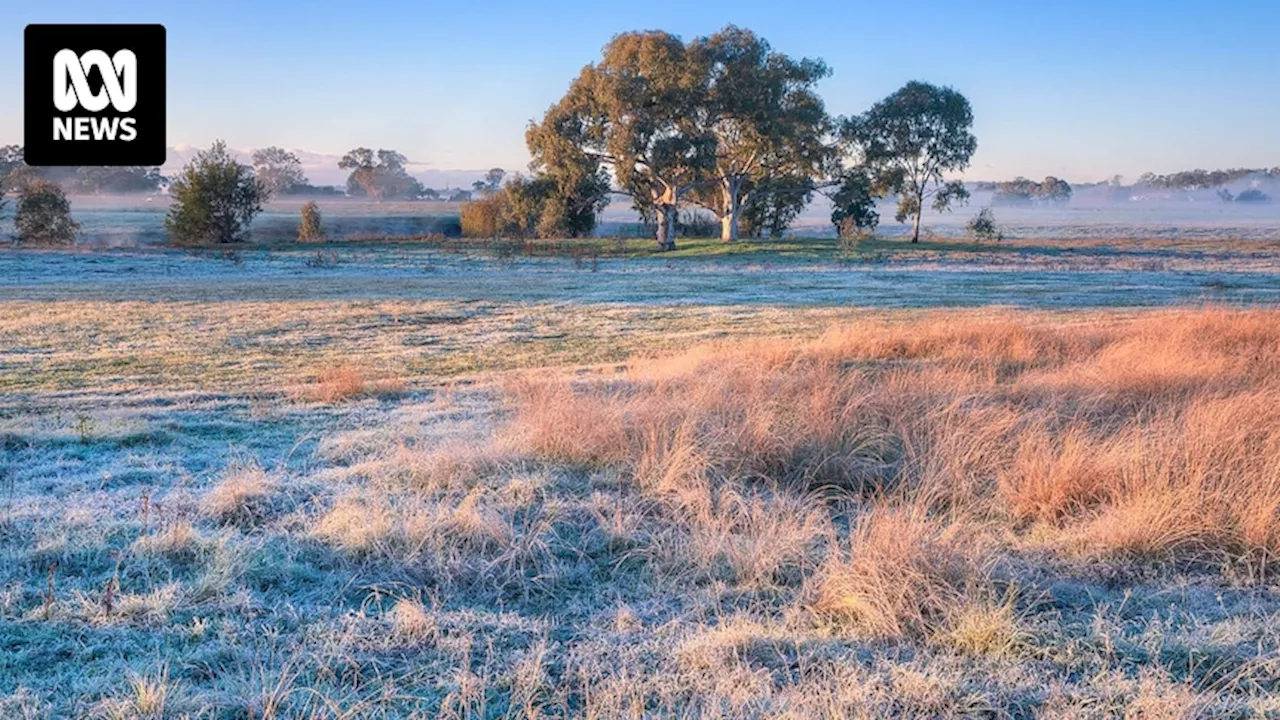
point(411, 622)
point(339, 383)
point(243, 496)
point(1152, 437)
point(905, 575)
point(918, 514)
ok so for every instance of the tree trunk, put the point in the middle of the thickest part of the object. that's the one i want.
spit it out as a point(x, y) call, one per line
point(915, 231)
point(666, 226)
point(729, 220)
point(729, 227)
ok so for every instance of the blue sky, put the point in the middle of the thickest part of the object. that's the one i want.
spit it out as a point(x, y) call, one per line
point(1079, 89)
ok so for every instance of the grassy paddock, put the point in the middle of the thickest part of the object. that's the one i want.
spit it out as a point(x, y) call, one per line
point(997, 513)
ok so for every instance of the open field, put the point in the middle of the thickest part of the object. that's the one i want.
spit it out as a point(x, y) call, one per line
point(783, 480)
point(138, 220)
point(797, 272)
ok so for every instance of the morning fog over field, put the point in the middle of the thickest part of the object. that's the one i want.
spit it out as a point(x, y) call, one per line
point(518, 361)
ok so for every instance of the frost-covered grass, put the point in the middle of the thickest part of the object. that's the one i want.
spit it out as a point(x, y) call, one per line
point(816, 273)
point(286, 499)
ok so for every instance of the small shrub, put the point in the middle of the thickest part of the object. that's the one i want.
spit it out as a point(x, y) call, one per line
point(1253, 195)
point(309, 229)
point(853, 206)
point(983, 226)
point(44, 215)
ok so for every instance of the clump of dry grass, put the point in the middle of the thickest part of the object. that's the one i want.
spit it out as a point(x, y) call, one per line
point(339, 383)
point(454, 465)
point(463, 541)
point(244, 496)
point(1150, 436)
point(985, 626)
point(177, 541)
point(904, 575)
point(411, 621)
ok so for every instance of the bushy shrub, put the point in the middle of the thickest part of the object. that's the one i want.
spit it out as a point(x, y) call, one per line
point(44, 215)
point(983, 226)
point(539, 207)
point(215, 199)
point(310, 229)
point(1253, 195)
point(484, 218)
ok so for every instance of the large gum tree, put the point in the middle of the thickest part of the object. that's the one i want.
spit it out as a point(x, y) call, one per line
point(767, 120)
point(630, 111)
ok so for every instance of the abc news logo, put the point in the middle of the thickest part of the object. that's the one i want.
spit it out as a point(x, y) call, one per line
point(107, 105)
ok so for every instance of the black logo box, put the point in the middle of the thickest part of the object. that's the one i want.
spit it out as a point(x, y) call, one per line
point(41, 43)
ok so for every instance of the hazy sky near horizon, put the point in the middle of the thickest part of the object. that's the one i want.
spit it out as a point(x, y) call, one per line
point(1082, 90)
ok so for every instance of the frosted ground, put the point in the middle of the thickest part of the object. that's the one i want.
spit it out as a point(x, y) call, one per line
point(182, 527)
point(1043, 275)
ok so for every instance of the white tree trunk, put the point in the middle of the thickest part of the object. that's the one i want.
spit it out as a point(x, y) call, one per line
point(729, 227)
point(733, 208)
point(915, 230)
point(666, 226)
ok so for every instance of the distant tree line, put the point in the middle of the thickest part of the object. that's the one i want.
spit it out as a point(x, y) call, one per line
point(14, 173)
point(1205, 179)
point(1021, 191)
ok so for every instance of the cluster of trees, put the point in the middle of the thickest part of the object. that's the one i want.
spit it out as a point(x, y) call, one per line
point(1021, 191)
point(1204, 179)
point(379, 175)
point(722, 122)
point(14, 174)
point(727, 124)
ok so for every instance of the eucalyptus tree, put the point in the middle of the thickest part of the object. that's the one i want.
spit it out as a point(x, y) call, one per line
point(910, 140)
point(279, 170)
point(769, 125)
point(630, 113)
point(379, 175)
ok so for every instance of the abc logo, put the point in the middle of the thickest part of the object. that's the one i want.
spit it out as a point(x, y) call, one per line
point(71, 89)
point(95, 94)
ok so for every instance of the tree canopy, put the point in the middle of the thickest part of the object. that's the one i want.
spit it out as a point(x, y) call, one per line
point(215, 199)
point(380, 175)
point(279, 170)
point(631, 111)
point(769, 128)
point(909, 141)
point(1021, 191)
